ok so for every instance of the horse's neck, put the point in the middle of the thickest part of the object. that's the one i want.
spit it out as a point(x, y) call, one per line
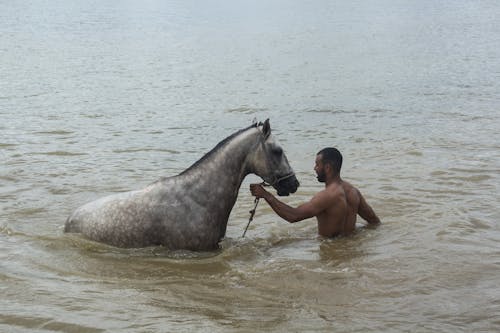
point(216, 179)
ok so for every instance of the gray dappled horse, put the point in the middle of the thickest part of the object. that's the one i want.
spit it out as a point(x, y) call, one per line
point(190, 210)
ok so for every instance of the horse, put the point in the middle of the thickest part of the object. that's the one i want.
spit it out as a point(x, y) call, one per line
point(189, 211)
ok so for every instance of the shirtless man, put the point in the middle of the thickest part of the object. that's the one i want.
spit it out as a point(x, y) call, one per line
point(335, 207)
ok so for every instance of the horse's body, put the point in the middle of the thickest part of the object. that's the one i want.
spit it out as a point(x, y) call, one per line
point(190, 210)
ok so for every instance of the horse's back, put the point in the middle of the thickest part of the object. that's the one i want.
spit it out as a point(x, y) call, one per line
point(160, 214)
point(123, 219)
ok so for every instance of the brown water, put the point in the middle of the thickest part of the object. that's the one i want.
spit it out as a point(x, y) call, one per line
point(98, 97)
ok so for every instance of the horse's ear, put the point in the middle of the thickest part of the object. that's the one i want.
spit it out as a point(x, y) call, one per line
point(266, 129)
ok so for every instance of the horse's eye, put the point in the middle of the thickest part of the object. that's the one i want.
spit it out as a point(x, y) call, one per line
point(278, 151)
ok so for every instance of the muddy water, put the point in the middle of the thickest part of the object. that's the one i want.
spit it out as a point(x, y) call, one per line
point(103, 97)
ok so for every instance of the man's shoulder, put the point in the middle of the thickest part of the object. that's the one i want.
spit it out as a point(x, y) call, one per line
point(348, 187)
point(346, 184)
point(334, 190)
point(353, 195)
point(327, 193)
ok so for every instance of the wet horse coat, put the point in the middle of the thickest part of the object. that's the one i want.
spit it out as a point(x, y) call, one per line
point(190, 210)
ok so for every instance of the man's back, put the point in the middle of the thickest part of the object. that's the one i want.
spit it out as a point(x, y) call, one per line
point(356, 204)
point(346, 202)
point(332, 219)
point(352, 196)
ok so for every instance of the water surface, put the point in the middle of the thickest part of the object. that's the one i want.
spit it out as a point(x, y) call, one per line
point(99, 97)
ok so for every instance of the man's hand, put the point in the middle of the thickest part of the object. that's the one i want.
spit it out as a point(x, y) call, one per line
point(258, 191)
point(282, 209)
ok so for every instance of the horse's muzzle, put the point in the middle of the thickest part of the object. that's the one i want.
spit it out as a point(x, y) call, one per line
point(287, 186)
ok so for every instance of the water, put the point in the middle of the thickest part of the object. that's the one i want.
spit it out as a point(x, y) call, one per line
point(98, 97)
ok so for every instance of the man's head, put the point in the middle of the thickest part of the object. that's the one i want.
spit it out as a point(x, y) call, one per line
point(328, 160)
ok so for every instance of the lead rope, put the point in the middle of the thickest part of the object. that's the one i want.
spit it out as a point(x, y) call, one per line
point(256, 201)
point(252, 213)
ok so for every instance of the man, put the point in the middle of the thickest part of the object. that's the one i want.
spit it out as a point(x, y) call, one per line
point(335, 207)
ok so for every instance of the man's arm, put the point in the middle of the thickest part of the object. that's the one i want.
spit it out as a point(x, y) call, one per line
point(367, 212)
point(312, 208)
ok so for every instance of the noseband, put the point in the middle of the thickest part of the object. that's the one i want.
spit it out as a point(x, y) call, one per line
point(277, 180)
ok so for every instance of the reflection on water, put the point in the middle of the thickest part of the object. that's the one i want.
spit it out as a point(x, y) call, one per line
point(99, 98)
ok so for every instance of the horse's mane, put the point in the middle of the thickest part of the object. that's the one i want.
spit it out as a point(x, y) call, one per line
point(219, 146)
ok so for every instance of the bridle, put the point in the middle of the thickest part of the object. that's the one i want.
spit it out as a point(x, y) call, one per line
point(275, 181)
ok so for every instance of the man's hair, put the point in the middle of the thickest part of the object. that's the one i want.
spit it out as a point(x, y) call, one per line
point(333, 157)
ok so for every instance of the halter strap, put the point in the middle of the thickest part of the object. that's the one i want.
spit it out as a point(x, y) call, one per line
point(276, 180)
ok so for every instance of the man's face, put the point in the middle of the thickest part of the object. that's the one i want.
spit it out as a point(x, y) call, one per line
point(319, 167)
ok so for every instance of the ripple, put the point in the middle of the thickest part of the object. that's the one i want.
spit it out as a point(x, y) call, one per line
point(245, 110)
point(30, 211)
point(55, 132)
point(5, 230)
point(330, 111)
point(479, 224)
point(41, 323)
point(7, 145)
point(59, 153)
point(454, 175)
point(136, 150)
point(8, 178)
point(415, 153)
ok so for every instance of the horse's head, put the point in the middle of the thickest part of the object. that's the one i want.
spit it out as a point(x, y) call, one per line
point(271, 164)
